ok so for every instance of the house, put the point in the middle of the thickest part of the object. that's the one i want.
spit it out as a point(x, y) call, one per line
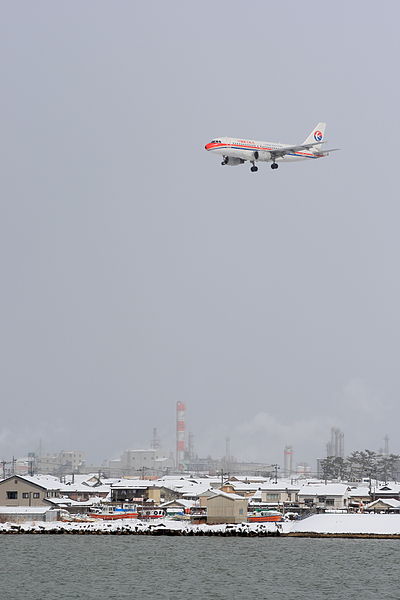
point(177, 507)
point(334, 496)
point(358, 497)
point(388, 490)
point(223, 507)
point(277, 494)
point(139, 490)
point(81, 488)
point(280, 493)
point(130, 490)
point(384, 505)
point(28, 490)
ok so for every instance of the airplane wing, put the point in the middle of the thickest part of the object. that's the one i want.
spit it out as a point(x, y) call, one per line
point(279, 152)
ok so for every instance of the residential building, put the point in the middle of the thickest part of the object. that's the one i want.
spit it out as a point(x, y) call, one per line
point(388, 490)
point(139, 490)
point(28, 491)
point(223, 507)
point(390, 505)
point(325, 496)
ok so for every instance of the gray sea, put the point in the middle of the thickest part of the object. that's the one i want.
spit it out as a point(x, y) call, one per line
point(62, 567)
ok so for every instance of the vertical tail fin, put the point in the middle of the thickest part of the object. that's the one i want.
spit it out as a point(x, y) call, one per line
point(317, 135)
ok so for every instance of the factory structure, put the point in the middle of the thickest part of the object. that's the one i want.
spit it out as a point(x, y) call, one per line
point(154, 460)
point(288, 461)
point(180, 436)
point(335, 446)
point(186, 458)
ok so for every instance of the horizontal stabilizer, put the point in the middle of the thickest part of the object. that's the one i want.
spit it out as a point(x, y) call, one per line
point(323, 152)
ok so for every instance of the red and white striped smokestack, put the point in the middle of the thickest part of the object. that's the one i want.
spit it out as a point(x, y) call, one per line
point(180, 435)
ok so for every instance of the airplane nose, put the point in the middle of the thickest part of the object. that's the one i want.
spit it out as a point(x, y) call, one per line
point(207, 146)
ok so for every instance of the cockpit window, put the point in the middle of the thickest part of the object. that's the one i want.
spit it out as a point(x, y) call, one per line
point(216, 142)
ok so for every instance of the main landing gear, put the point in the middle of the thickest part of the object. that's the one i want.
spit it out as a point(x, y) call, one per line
point(274, 165)
point(253, 169)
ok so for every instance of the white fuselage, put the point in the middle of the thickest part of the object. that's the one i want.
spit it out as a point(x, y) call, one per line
point(252, 150)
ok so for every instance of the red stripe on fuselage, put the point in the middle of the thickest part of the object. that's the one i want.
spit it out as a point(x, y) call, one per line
point(237, 146)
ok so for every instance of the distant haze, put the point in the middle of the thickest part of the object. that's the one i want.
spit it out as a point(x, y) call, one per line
point(136, 271)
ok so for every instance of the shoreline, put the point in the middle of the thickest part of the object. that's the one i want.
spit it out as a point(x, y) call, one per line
point(188, 533)
point(356, 526)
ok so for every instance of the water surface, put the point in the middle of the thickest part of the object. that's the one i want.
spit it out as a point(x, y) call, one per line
point(61, 567)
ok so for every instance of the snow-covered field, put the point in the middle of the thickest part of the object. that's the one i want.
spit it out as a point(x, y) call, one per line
point(373, 524)
point(368, 524)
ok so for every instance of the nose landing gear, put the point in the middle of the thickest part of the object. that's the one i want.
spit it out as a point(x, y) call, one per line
point(253, 169)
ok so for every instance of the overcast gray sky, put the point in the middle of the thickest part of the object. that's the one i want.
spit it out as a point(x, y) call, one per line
point(136, 271)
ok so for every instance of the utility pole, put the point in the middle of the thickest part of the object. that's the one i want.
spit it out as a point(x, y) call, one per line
point(276, 467)
point(222, 476)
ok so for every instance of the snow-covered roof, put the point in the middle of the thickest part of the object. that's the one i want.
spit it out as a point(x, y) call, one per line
point(330, 489)
point(59, 501)
point(180, 501)
point(89, 479)
point(257, 495)
point(389, 487)
point(45, 481)
point(23, 510)
point(250, 479)
point(265, 486)
point(68, 488)
point(227, 495)
point(391, 502)
point(133, 484)
point(109, 480)
point(208, 493)
point(196, 491)
point(359, 492)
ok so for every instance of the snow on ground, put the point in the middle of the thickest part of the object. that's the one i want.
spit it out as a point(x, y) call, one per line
point(372, 524)
point(135, 526)
point(348, 523)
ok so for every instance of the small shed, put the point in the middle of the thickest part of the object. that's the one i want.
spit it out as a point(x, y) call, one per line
point(22, 514)
point(226, 508)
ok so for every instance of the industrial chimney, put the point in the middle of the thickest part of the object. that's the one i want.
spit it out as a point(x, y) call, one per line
point(180, 435)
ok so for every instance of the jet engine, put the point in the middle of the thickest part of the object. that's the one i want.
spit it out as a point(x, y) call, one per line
point(229, 160)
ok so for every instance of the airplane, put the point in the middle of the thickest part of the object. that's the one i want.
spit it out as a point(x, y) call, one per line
point(236, 151)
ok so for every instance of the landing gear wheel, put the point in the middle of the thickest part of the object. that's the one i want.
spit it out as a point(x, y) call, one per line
point(274, 166)
point(254, 169)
